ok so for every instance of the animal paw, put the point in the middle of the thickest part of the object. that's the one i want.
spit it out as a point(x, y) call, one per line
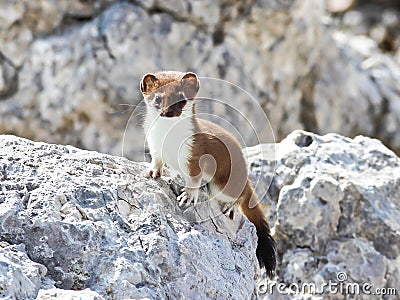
point(229, 212)
point(187, 197)
point(152, 173)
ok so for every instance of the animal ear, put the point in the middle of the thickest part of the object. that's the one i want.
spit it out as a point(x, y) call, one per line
point(190, 85)
point(149, 83)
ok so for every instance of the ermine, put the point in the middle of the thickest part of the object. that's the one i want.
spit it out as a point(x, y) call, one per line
point(200, 150)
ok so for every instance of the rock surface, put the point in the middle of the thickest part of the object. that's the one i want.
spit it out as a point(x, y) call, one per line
point(336, 208)
point(73, 77)
point(75, 223)
point(20, 277)
point(79, 220)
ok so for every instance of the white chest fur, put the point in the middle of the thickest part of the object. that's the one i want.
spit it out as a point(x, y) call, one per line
point(171, 139)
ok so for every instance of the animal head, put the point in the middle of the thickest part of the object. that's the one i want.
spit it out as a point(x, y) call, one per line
point(169, 92)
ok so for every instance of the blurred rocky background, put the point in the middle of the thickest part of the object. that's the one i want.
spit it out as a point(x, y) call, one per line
point(70, 70)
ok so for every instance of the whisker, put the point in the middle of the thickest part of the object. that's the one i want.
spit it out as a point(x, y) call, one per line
point(132, 105)
point(141, 120)
point(197, 109)
point(120, 112)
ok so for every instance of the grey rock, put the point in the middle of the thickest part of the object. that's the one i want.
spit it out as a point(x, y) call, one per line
point(89, 222)
point(93, 222)
point(22, 20)
point(20, 278)
point(8, 77)
point(55, 293)
point(73, 78)
point(337, 210)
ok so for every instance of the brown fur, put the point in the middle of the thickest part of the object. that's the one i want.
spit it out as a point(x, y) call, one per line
point(231, 177)
point(173, 88)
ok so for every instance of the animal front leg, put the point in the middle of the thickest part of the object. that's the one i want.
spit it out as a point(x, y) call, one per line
point(156, 167)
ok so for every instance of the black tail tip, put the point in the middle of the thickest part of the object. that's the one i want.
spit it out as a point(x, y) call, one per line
point(266, 252)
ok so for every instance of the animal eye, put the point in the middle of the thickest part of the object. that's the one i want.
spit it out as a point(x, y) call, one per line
point(157, 100)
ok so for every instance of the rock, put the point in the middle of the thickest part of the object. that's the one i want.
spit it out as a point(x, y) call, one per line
point(90, 223)
point(379, 20)
point(22, 20)
point(73, 78)
point(55, 293)
point(337, 211)
point(20, 277)
point(339, 6)
point(75, 223)
point(8, 77)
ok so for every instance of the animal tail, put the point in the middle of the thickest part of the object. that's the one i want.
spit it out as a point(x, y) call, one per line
point(266, 247)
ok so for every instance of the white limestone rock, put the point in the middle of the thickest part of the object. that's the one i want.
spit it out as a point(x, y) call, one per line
point(73, 78)
point(71, 222)
point(55, 293)
point(337, 210)
point(88, 222)
point(20, 277)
